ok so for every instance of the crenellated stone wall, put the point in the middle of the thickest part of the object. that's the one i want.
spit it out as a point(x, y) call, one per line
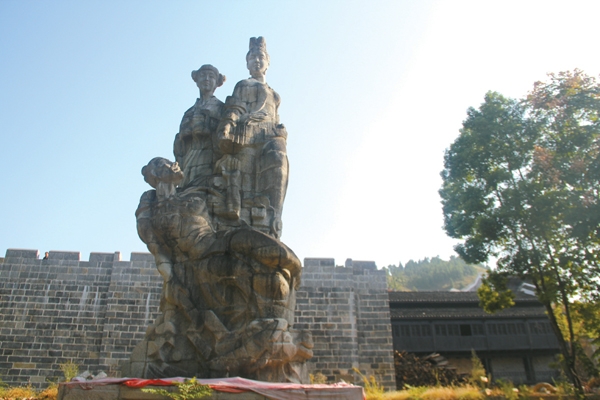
point(347, 311)
point(64, 309)
point(131, 305)
point(94, 312)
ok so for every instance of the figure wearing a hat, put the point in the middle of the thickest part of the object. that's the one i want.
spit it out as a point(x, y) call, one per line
point(194, 147)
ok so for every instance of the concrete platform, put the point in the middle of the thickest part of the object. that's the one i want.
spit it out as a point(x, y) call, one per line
point(117, 389)
point(123, 392)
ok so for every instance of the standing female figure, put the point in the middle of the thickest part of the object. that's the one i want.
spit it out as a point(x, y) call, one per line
point(253, 140)
point(193, 147)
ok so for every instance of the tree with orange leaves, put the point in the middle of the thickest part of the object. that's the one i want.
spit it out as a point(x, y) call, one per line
point(521, 184)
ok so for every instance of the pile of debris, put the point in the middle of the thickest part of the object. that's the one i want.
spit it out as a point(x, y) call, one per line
point(431, 370)
point(88, 376)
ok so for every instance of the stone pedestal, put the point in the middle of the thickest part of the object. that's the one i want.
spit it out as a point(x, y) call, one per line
point(114, 389)
point(121, 392)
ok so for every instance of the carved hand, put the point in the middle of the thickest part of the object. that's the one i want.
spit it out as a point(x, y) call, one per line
point(257, 116)
point(225, 131)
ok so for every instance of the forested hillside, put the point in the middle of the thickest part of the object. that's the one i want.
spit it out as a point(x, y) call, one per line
point(432, 274)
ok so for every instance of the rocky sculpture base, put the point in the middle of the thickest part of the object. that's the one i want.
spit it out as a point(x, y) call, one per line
point(228, 314)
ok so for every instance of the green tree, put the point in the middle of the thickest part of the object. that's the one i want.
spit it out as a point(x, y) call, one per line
point(521, 184)
point(494, 294)
point(589, 317)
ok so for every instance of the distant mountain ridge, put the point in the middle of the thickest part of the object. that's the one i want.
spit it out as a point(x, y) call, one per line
point(433, 274)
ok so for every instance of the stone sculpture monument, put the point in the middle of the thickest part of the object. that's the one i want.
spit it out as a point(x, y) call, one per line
point(212, 222)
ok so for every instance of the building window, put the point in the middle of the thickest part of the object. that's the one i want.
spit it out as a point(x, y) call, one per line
point(396, 331)
point(404, 331)
point(425, 330)
point(537, 328)
point(477, 330)
point(520, 328)
point(540, 328)
point(512, 329)
point(415, 331)
point(492, 329)
point(465, 330)
point(440, 330)
point(502, 329)
point(453, 330)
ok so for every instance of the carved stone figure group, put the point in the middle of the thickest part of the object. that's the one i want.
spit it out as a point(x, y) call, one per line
point(236, 151)
point(212, 222)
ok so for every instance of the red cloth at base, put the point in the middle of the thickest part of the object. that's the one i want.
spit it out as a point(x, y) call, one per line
point(276, 391)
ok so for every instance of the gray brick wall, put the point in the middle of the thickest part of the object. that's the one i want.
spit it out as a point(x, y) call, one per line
point(347, 310)
point(131, 305)
point(64, 309)
point(94, 312)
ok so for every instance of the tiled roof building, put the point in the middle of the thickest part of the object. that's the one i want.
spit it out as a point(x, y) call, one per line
point(516, 343)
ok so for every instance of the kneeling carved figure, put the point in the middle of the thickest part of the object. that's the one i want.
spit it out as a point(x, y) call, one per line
point(228, 297)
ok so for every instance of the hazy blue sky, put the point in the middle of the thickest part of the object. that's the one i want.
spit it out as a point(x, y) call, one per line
point(373, 92)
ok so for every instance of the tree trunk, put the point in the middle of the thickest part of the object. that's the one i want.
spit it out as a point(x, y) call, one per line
point(568, 362)
point(569, 359)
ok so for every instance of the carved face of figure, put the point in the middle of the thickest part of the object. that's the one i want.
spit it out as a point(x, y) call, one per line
point(162, 170)
point(257, 63)
point(207, 81)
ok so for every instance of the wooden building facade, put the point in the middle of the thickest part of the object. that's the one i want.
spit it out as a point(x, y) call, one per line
point(516, 344)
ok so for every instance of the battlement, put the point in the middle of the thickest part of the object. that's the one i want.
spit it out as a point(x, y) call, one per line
point(322, 272)
point(347, 310)
point(61, 308)
point(74, 255)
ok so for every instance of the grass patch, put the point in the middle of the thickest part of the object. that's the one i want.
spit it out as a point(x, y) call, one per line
point(189, 389)
point(431, 393)
point(25, 392)
point(372, 387)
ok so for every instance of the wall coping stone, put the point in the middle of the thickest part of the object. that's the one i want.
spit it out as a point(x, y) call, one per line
point(73, 256)
point(64, 255)
point(316, 262)
point(142, 257)
point(98, 257)
point(22, 253)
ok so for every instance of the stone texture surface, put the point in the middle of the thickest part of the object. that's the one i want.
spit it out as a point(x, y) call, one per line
point(233, 155)
point(212, 225)
point(122, 392)
point(347, 310)
point(39, 325)
point(63, 309)
point(254, 165)
point(132, 303)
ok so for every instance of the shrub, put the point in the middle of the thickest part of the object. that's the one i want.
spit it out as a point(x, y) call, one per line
point(318, 379)
point(373, 389)
point(188, 390)
point(26, 392)
point(477, 376)
point(69, 369)
point(50, 393)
